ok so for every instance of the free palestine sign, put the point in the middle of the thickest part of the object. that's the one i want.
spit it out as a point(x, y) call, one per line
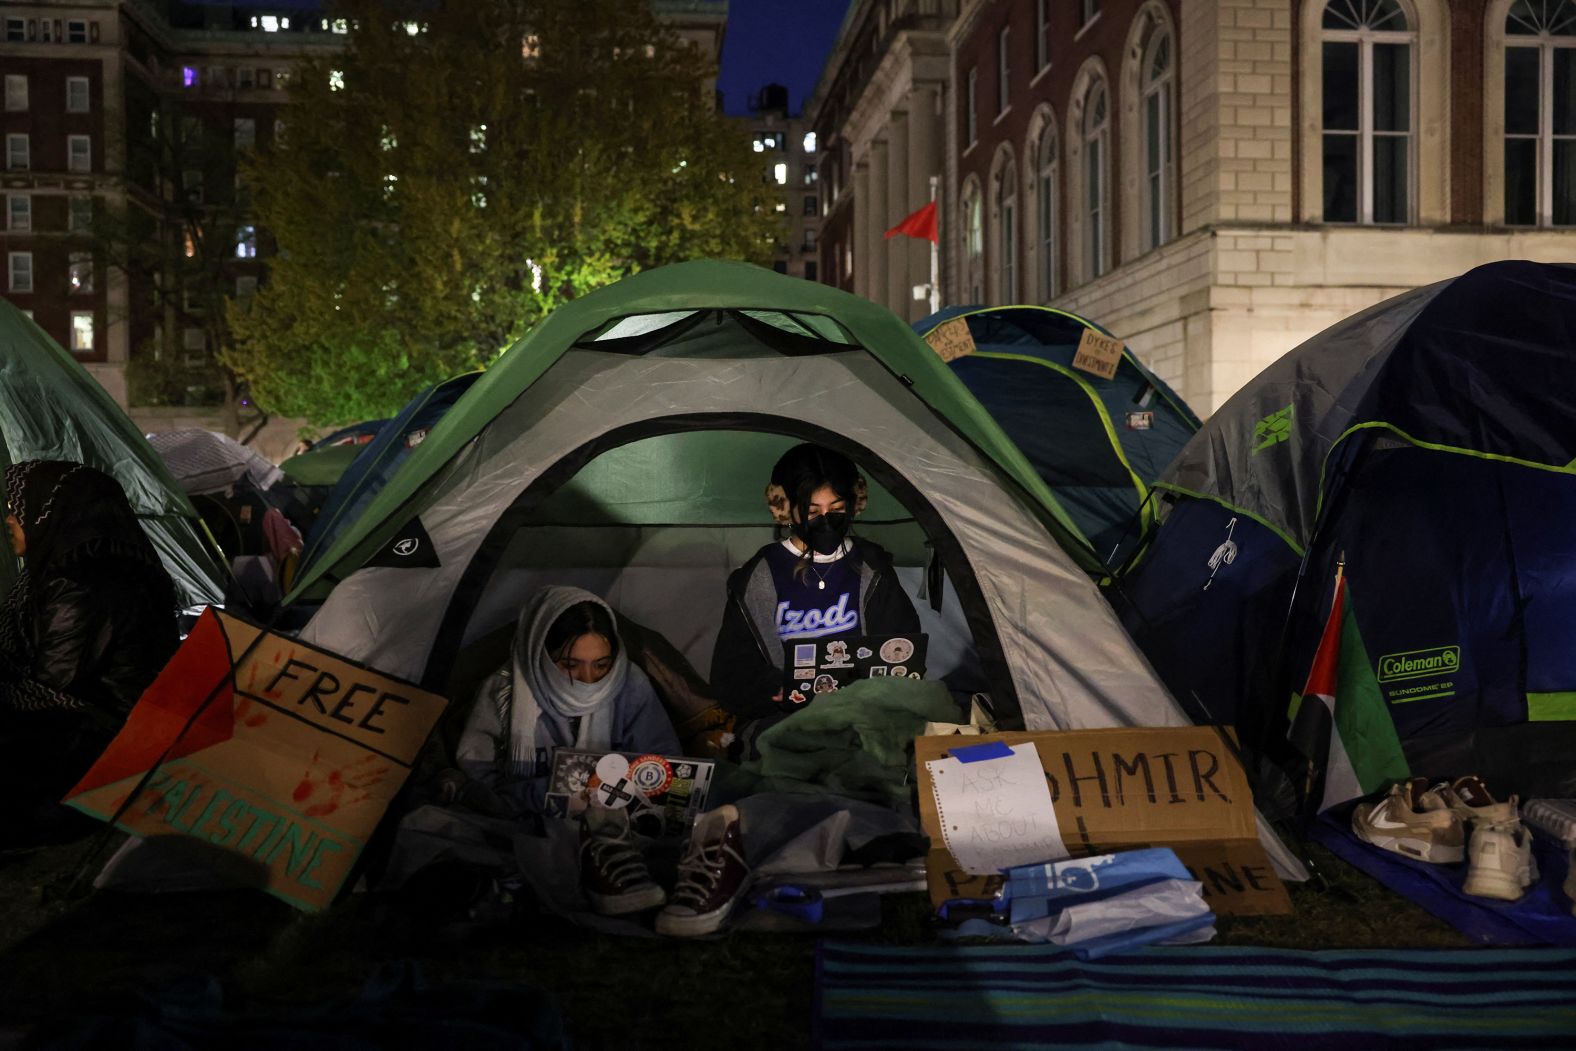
point(273, 759)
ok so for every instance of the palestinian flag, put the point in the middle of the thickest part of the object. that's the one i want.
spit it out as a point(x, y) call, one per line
point(1340, 721)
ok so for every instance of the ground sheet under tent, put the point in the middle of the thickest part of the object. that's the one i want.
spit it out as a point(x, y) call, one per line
point(931, 999)
point(1542, 916)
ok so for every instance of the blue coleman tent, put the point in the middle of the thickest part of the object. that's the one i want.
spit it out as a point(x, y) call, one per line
point(1098, 443)
point(1430, 444)
point(378, 460)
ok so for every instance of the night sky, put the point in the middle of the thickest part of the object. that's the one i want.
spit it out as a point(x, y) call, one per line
point(776, 41)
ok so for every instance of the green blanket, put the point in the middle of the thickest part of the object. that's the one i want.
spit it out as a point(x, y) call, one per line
point(857, 742)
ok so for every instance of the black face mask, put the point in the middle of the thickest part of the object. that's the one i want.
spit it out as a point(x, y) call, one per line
point(823, 534)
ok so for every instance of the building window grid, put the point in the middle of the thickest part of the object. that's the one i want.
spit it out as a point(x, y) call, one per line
point(79, 153)
point(973, 241)
point(15, 92)
point(82, 331)
point(1047, 183)
point(1158, 137)
point(19, 271)
point(971, 108)
point(1003, 70)
point(1540, 153)
point(80, 215)
point(77, 97)
point(1006, 193)
point(1096, 144)
point(1373, 28)
point(19, 213)
point(79, 273)
point(18, 155)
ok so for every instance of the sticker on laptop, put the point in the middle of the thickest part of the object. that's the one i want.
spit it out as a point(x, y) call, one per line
point(896, 651)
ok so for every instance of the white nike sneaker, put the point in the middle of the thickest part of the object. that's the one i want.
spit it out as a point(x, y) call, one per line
point(1398, 823)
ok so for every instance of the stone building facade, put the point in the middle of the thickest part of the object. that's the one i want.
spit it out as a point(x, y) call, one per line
point(787, 150)
point(1217, 180)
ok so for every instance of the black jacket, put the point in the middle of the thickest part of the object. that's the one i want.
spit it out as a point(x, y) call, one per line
point(99, 635)
point(746, 665)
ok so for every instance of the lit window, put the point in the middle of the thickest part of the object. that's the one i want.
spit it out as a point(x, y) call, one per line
point(282, 79)
point(386, 139)
point(1540, 114)
point(245, 133)
point(1367, 112)
point(82, 331)
point(20, 211)
point(246, 242)
point(188, 76)
point(341, 26)
point(531, 46)
point(412, 28)
point(780, 174)
point(79, 276)
point(20, 267)
point(780, 207)
point(336, 80)
point(809, 142)
point(15, 92)
point(810, 175)
point(269, 23)
point(479, 138)
point(81, 217)
point(189, 243)
point(17, 158)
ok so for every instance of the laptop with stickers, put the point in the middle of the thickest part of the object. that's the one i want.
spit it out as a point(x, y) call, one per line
point(814, 666)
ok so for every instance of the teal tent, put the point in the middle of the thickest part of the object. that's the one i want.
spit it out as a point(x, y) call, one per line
point(51, 409)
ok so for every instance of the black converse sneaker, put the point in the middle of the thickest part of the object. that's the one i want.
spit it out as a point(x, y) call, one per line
point(613, 873)
point(712, 877)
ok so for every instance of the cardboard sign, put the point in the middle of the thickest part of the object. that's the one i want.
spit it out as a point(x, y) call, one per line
point(1098, 354)
point(280, 778)
point(1126, 789)
point(951, 339)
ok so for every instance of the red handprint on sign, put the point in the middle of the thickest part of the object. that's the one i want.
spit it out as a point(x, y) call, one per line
point(346, 786)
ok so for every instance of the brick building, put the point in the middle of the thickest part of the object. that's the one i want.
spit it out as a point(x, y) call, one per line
point(104, 101)
point(787, 150)
point(1217, 180)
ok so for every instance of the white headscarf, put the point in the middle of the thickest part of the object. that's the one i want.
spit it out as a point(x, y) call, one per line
point(539, 683)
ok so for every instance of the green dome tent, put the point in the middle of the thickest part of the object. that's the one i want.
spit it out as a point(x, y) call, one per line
point(51, 409)
point(624, 445)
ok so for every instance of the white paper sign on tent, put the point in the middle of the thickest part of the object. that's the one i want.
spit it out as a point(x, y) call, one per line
point(995, 808)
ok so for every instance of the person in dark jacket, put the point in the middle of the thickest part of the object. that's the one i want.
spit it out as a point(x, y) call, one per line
point(818, 583)
point(85, 628)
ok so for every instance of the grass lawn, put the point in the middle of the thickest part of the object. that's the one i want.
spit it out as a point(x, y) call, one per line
point(97, 954)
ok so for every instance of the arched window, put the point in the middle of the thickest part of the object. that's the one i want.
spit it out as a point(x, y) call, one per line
point(1004, 205)
point(1368, 105)
point(1540, 113)
point(973, 242)
point(1047, 194)
point(1157, 91)
point(1096, 191)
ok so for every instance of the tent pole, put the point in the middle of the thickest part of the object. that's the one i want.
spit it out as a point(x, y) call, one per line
point(935, 257)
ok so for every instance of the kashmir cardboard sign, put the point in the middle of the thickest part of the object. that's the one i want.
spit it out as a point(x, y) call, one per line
point(1098, 354)
point(951, 339)
point(1125, 789)
point(281, 777)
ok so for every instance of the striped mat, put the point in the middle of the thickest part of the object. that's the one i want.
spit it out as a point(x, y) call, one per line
point(947, 997)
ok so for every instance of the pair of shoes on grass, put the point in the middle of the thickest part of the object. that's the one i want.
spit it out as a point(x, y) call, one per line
point(1432, 824)
point(711, 880)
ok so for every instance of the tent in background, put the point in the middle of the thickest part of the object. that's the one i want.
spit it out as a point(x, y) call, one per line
point(51, 409)
point(375, 463)
point(1098, 443)
point(1430, 441)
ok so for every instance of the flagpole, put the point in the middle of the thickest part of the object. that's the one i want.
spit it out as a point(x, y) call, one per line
point(935, 257)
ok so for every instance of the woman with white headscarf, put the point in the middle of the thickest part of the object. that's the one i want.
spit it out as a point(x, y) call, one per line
point(569, 684)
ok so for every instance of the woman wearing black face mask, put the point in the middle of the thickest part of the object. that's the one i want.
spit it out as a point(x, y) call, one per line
point(817, 583)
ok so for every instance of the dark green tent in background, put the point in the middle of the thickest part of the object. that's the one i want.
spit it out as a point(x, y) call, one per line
point(51, 409)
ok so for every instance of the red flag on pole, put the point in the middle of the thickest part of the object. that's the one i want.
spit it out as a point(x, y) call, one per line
point(922, 224)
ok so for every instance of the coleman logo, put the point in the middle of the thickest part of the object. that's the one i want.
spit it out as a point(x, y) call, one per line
point(1418, 664)
point(407, 547)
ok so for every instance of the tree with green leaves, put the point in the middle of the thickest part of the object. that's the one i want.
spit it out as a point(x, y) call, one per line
point(443, 185)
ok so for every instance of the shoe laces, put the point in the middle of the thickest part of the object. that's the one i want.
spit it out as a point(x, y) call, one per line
point(618, 859)
point(700, 871)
